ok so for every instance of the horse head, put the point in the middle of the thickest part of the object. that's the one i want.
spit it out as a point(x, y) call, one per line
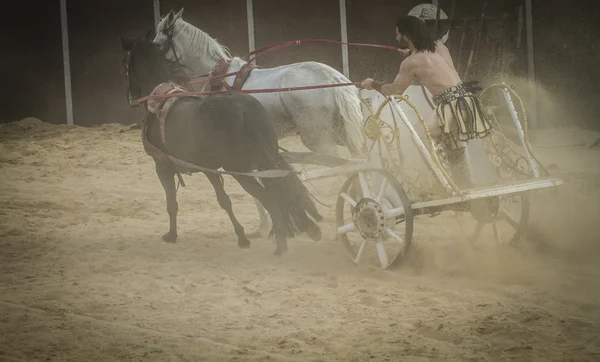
point(145, 67)
point(138, 64)
point(165, 30)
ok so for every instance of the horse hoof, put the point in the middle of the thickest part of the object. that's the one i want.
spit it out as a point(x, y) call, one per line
point(314, 232)
point(170, 238)
point(244, 243)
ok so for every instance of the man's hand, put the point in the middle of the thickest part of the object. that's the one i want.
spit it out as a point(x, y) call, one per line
point(367, 84)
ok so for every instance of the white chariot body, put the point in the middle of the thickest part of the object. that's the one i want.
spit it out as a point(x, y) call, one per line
point(406, 177)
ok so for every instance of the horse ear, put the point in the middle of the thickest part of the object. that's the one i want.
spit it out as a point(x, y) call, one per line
point(178, 15)
point(170, 18)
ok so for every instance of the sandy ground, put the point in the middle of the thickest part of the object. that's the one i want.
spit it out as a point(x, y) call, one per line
point(85, 276)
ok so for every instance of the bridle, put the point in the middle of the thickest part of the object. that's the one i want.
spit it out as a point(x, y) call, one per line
point(129, 76)
point(170, 44)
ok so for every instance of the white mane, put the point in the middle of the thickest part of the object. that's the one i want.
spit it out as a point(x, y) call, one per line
point(200, 43)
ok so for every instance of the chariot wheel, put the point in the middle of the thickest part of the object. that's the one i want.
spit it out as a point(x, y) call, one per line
point(374, 218)
point(499, 219)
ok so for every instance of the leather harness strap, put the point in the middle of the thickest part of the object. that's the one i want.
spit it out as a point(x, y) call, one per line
point(221, 69)
point(242, 76)
point(161, 106)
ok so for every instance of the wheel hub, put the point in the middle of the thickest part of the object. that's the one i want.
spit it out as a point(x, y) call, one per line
point(369, 219)
point(485, 210)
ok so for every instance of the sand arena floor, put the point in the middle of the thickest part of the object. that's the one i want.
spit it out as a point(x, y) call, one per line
point(85, 275)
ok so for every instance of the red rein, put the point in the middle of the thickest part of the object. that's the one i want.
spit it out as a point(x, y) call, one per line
point(251, 57)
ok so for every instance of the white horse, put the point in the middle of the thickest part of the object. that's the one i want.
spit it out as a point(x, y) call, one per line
point(323, 118)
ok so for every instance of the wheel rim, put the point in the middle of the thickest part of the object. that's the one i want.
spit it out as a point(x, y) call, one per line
point(374, 228)
point(503, 220)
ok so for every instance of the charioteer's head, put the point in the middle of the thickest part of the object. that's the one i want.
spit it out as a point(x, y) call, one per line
point(411, 33)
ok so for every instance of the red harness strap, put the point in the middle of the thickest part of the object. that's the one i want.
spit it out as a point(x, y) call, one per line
point(161, 106)
point(219, 69)
point(242, 76)
point(217, 79)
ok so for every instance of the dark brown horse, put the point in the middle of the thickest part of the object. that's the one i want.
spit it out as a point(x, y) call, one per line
point(228, 130)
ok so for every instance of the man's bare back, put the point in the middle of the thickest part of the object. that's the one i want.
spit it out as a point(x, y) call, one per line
point(434, 70)
point(430, 63)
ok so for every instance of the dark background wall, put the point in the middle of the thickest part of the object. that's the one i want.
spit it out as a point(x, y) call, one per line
point(31, 61)
point(565, 37)
point(278, 21)
point(96, 57)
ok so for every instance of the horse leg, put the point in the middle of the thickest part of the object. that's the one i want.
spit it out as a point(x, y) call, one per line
point(264, 224)
point(255, 189)
point(225, 202)
point(264, 221)
point(318, 141)
point(166, 175)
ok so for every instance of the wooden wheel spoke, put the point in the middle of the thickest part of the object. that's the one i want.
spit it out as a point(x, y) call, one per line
point(383, 257)
point(382, 189)
point(348, 199)
point(373, 218)
point(361, 251)
point(342, 230)
point(364, 185)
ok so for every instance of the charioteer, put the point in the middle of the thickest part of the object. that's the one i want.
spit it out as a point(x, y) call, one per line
point(458, 114)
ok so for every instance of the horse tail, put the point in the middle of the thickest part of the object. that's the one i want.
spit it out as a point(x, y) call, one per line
point(348, 104)
point(294, 202)
point(292, 197)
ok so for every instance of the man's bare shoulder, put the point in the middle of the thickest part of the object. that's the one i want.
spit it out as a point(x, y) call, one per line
point(442, 50)
point(411, 61)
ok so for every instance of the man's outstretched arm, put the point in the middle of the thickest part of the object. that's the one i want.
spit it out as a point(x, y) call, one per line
point(403, 80)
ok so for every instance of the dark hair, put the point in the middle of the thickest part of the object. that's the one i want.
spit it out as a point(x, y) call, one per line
point(416, 31)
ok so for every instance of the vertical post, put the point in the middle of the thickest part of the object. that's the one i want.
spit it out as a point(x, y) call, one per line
point(530, 62)
point(156, 12)
point(521, 132)
point(66, 61)
point(250, 17)
point(344, 31)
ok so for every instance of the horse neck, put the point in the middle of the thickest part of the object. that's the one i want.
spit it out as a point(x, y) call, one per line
point(193, 47)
